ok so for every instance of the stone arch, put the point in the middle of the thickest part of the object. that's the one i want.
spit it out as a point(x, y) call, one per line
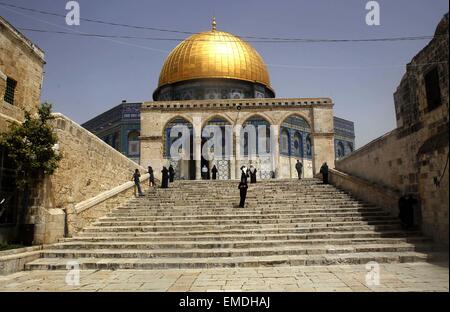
point(267, 118)
point(175, 117)
point(299, 115)
point(218, 116)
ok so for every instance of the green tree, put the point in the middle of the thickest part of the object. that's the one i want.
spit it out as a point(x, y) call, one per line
point(31, 147)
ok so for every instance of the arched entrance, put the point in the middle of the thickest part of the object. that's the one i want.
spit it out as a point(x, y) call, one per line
point(295, 144)
point(179, 152)
point(216, 132)
point(255, 146)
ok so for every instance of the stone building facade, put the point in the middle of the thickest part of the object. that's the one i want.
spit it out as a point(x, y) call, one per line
point(277, 115)
point(414, 157)
point(21, 74)
point(120, 127)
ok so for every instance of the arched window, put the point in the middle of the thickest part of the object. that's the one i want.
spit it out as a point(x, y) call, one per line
point(168, 140)
point(284, 140)
point(250, 135)
point(300, 127)
point(309, 146)
point(133, 143)
point(298, 145)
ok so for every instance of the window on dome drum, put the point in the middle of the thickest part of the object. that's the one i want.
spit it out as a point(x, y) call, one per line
point(433, 89)
point(10, 90)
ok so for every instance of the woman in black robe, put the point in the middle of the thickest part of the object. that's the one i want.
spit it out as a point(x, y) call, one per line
point(171, 174)
point(214, 172)
point(165, 178)
point(252, 174)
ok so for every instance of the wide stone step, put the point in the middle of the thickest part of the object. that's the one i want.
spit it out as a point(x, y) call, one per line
point(218, 262)
point(181, 212)
point(195, 218)
point(151, 236)
point(152, 245)
point(224, 252)
point(223, 221)
point(245, 228)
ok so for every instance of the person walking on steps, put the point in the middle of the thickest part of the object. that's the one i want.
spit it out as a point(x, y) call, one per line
point(151, 179)
point(137, 182)
point(244, 173)
point(299, 168)
point(171, 174)
point(165, 178)
point(324, 172)
point(243, 192)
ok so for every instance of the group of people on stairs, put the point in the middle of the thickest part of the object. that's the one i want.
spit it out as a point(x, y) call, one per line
point(168, 175)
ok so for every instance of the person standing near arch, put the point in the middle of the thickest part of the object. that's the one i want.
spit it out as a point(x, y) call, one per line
point(214, 172)
point(165, 178)
point(171, 174)
point(252, 173)
point(324, 172)
point(151, 179)
point(299, 168)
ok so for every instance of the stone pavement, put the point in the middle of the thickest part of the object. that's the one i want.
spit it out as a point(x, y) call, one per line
point(397, 277)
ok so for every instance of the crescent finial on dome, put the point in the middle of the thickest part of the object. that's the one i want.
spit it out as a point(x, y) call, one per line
point(214, 23)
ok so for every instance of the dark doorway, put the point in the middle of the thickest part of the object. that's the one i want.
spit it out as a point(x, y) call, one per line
point(9, 201)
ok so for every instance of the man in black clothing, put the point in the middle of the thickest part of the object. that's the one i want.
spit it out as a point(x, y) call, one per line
point(324, 172)
point(214, 172)
point(244, 173)
point(137, 182)
point(151, 180)
point(171, 173)
point(299, 168)
point(165, 178)
point(243, 192)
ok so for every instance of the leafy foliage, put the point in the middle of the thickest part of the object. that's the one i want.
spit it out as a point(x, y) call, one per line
point(31, 146)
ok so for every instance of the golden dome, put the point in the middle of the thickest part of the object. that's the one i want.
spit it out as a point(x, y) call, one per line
point(214, 54)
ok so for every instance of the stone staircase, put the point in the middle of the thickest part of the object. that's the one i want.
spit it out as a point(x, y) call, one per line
point(196, 224)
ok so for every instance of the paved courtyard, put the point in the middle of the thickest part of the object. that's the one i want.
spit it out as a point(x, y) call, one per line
point(342, 278)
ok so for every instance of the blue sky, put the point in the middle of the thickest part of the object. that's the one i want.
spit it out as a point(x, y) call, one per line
point(86, 76)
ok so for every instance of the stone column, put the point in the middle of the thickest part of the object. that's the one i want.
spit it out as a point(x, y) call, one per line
point(237, 159)
point(323, 138)
point(197, 124)
point(276, 152)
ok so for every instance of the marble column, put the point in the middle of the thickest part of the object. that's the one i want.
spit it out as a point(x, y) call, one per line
point(237, 159)
point(276, 152)
point(197, 124)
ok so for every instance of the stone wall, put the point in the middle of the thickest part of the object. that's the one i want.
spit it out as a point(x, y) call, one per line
point(413, 158)
point(366, 191)
point(89, 167)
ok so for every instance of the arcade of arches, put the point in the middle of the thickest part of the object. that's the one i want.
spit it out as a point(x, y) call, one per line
point(294, 129)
